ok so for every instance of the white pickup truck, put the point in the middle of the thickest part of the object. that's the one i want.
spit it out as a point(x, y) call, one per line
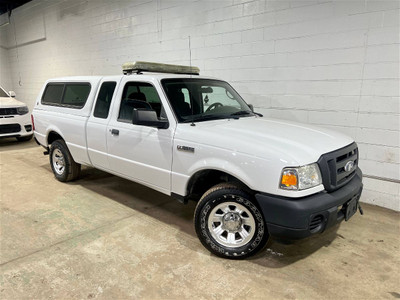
point(195, 138)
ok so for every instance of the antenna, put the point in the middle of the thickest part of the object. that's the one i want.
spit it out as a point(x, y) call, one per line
point(190, 62)
point(190, 53)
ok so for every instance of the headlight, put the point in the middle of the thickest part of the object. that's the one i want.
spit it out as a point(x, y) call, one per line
point(22, 110)
point(300, 178)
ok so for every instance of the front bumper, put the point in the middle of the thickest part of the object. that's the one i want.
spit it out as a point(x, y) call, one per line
point(15, 126)
point(296, 218)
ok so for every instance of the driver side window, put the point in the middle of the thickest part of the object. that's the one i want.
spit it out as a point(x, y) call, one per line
point(139, 95)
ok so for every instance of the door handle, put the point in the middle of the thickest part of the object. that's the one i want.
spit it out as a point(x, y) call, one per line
point(114, 131)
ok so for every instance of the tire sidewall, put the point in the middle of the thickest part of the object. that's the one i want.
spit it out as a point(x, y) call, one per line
point(201, 224)
point(59, 145)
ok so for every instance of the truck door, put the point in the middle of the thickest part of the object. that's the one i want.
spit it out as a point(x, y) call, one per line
point(97, 124)
point(140, 153)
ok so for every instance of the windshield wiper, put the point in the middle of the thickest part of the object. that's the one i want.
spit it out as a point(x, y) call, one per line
point(241, 113)
point(237, 114)
point(245, 112)
point(205, 118)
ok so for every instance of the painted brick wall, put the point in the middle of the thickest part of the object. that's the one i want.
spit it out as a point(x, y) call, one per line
point(5, 78)
point(5, 69)
point(329, 63)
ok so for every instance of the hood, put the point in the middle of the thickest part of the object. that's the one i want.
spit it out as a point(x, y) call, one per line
point(7, 102)
point(295, 144)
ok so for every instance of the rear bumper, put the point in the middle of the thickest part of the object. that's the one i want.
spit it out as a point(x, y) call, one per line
point(296, 218)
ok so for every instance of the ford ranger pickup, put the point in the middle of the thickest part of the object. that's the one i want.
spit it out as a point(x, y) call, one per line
point(195, 138)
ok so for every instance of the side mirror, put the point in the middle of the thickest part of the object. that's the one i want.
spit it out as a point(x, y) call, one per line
point(12, 94)
point(148, 117)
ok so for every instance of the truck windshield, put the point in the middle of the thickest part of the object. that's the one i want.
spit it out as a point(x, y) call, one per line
point(3, 93)
point(195, 100)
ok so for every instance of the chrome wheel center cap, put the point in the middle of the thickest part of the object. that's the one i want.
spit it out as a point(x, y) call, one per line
point(232, 221)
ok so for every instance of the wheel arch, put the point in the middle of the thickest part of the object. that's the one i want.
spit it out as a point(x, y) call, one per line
point(52, 136)
point(204, 179)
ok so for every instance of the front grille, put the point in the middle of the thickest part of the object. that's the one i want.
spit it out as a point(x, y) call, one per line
point(8, 111)
point(333, 167)
point(10, 128)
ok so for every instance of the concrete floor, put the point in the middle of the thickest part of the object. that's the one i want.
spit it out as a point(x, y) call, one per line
point(103, 236)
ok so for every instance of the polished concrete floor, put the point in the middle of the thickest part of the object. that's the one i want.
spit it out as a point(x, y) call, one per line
point(106, 237)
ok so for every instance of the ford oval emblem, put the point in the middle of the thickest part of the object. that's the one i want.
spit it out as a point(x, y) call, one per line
point(349, 166)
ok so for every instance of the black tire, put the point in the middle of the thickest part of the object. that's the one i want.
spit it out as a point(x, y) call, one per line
point(24, 138)
point(63, 165)
point(233, 199)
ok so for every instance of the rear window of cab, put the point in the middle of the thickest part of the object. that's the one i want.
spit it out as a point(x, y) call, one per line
point(73, 95)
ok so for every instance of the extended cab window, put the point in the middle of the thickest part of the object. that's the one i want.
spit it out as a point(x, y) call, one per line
point(139, 95)
point(104, 99)
point(66, 94)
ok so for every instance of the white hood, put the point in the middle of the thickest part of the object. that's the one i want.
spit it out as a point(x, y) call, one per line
point(7, 102)
point(295, 144)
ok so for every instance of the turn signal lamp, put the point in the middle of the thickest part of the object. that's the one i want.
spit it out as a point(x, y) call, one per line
point(33, 123)
point(289, 179)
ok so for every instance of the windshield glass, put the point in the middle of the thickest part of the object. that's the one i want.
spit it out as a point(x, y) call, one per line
point(194, 99)
point(3, 93)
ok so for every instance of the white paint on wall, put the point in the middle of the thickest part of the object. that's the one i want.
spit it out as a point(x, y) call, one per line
point(328, 63)
point(5, 68)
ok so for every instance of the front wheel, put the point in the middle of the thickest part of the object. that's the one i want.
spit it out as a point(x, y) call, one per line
point(228, 223)
point(63, 165)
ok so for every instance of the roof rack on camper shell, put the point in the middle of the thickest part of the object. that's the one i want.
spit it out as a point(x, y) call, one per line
point(140, 66)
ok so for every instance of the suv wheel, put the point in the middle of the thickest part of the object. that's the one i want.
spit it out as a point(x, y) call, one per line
point(63, 165)
point(228, 223)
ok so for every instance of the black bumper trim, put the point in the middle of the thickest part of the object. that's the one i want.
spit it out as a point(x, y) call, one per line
point(9, 136)
point(291, 217)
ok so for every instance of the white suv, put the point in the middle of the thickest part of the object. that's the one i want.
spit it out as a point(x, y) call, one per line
point(15, 120)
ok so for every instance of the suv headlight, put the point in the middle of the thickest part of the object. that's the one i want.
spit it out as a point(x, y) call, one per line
point(300, 178)
point(22, 110)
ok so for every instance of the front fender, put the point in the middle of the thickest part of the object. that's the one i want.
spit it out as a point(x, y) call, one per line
point(250, 170)
point(225, 166)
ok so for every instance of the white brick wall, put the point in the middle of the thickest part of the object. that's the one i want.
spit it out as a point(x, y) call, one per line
point(328, 63)
point(5, 70)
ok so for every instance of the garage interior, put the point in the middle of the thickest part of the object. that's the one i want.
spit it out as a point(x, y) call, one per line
point(333, 64)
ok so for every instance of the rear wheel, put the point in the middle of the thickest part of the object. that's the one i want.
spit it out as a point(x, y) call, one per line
point(63, 165)
point(228, 223)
